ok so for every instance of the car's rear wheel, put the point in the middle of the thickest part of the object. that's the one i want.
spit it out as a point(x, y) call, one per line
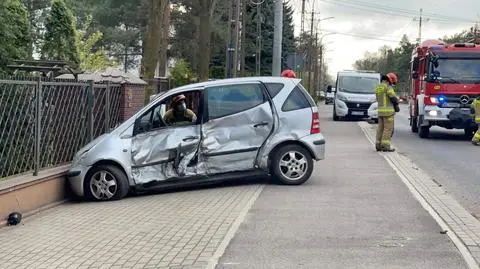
point(292, 165)
point(106, 183)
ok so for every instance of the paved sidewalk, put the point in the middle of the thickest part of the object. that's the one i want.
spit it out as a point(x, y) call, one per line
point(354, 213)
point(172, 230)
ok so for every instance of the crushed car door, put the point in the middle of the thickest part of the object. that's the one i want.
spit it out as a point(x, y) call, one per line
point(160, 152)
point(239, 120)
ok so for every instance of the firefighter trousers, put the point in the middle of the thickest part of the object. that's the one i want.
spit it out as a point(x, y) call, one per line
point(476, 137)
point(384, 132)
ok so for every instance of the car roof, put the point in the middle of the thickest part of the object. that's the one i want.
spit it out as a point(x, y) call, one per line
point(218, 82)
point(358, 74)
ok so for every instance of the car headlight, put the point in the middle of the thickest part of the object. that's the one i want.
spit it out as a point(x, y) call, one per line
point(342, 98)
point(79, 157)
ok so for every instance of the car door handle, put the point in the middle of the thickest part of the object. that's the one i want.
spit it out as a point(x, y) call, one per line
point(260, 124)
point(189, 138)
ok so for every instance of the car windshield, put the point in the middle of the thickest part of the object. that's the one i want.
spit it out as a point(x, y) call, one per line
point(457, 70)
point(351, 84)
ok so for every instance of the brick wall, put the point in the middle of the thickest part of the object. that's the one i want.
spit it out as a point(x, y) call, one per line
point(132, 100)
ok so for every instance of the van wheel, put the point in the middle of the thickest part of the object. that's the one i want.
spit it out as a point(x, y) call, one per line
point(292, 165)
point(335, 117)
point(106, 183)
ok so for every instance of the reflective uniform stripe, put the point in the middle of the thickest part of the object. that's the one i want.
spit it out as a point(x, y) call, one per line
point(476, 107)
point(385, 106)
point(476, 137)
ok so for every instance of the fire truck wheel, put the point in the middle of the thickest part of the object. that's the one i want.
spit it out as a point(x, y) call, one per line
point(423, 131)
point(414, 124)
point(469, 133)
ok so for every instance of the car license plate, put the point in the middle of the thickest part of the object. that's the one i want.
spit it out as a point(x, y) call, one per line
point(454, 105)
point(358, 113)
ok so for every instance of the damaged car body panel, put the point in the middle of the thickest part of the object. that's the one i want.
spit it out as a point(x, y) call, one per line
point(165, 154)
point(240, 121)
point(160, 152)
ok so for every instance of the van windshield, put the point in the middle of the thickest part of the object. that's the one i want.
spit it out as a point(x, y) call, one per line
point(364, 85)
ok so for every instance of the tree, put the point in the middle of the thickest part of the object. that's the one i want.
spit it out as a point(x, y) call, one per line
point(182, 73)
point(59, 43)
point(15, 31)
point(155, 51)
point(388, 60)
point(206, 9)
point(122, 22)
point(91, 59)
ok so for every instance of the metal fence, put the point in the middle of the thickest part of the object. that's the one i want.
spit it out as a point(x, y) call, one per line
point(43, 123)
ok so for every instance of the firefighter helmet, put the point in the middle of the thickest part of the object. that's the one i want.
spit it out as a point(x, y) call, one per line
point(288, 74)
point(178, 98)
point(392, 77)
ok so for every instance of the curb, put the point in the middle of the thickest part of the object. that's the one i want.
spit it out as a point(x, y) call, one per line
point(461, 227)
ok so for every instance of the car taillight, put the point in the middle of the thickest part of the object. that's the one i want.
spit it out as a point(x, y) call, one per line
point(315, 129)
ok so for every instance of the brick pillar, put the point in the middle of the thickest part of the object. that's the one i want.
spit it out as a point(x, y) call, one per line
point(133, 97)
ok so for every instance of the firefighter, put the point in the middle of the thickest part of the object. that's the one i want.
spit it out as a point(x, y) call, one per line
point(387, 106)
point(288, 74)
point(179, 114)
point(476, 113)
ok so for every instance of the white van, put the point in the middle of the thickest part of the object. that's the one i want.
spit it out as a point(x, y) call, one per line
point(355, 94)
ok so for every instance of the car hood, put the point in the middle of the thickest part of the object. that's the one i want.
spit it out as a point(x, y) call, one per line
point(355, 97)
point(92, 144)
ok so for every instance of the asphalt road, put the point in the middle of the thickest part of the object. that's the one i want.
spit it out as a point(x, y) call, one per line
point(353, 213)
point(447, 156)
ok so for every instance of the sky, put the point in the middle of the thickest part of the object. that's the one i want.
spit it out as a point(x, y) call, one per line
point(367, 25)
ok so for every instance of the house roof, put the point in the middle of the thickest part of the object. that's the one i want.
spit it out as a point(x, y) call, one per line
point(111, 74)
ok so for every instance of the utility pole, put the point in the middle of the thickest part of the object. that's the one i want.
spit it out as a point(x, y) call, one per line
point(258, 54)
point(242, 42)
point(315, 67)
point(420, 28)
point(310, 50)
point(277, 39)
point(302, 28)
point(237, 36)
point(229, 50)
point(420, 24)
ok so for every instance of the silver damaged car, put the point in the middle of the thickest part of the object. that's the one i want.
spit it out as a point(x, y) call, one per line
point(229, 129)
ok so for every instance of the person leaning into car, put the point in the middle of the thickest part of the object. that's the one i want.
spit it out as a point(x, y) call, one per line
point(179, 114)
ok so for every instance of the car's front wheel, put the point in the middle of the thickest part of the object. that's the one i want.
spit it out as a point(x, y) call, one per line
point(106, 183)
point(292, 165)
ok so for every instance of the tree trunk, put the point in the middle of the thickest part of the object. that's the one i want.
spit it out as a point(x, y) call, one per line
point(165, 34)
point(153, 43)
point(204, 50)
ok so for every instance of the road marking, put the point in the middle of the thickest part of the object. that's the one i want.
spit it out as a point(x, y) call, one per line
point(447, 212)
point(233, 229)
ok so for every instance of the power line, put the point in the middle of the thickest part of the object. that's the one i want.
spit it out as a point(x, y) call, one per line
point(369, 7)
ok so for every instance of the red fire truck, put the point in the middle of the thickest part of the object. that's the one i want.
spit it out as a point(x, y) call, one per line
point(444, 80)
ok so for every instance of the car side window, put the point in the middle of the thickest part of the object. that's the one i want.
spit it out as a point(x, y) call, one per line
point(163, 114)
point(231, 99)
point(296, 100)
point(274, 88)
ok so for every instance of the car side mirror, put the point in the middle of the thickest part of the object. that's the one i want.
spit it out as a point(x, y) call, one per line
point(415, 64)
point(415, 75)
point(329, 88)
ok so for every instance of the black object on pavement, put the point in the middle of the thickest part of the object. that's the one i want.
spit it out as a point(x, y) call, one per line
point(14, 218)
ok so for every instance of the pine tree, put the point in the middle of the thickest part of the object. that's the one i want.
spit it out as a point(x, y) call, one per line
point(15, 31)
point(59, 40)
